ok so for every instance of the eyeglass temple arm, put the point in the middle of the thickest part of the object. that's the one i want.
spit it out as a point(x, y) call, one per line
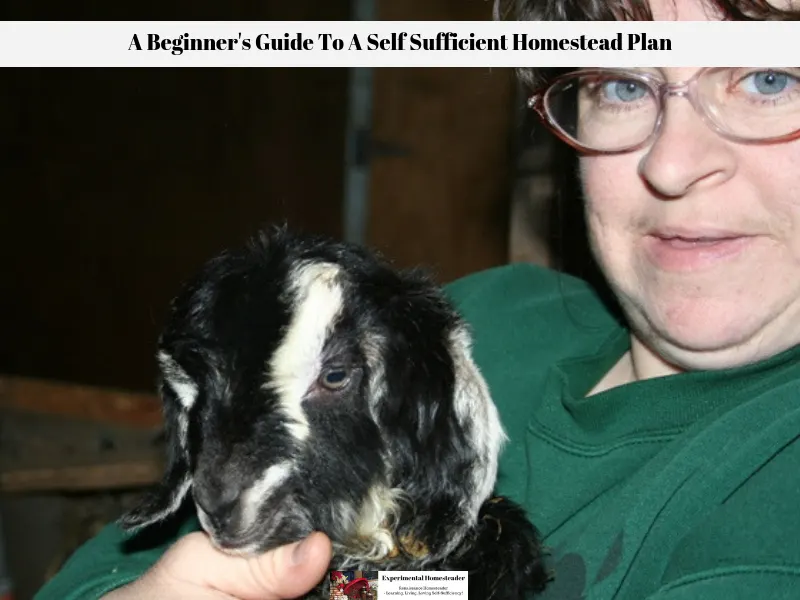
point(536, 102)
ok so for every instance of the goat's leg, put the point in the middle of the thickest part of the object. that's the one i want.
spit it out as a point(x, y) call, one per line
point(504, 554)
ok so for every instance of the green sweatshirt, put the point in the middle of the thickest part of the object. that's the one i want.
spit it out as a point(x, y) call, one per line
point(667, 489)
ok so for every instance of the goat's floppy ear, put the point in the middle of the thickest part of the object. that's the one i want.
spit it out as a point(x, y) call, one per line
point(473, 402)
point(471, 393)
point(167, 496)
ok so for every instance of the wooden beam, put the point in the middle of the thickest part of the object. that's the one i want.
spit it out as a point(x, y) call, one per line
point(82, 478)
point(59, 436)
point(80, 402)
point(46, 452)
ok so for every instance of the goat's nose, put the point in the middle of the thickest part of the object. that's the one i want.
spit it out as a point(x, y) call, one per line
point(219, 506)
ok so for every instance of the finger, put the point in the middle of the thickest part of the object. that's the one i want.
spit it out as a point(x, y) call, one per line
point(286, 572)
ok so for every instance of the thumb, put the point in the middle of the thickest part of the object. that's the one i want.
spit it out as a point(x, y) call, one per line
point(285, 572)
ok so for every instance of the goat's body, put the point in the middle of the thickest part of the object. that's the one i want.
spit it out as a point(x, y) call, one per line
point(309, 386)
point(501, 554)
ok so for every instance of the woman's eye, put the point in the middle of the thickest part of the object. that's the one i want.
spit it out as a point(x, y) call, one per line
point(335, 379)
point(767, 82)
point(623, 90)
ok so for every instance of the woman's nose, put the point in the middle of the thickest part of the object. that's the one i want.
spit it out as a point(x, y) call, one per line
point(686, 153)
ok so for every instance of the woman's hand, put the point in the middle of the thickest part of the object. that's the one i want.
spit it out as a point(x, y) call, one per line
point(193, 568)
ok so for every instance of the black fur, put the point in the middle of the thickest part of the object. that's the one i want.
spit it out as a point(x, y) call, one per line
point(393, 425)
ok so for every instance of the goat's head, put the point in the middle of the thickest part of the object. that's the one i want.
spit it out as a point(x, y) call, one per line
point(309, 386)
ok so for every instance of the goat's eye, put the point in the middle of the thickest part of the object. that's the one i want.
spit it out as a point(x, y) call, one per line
point(335, 379)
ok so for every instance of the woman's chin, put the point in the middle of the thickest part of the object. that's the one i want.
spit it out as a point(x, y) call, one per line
point(702, 335)
point(708, 345)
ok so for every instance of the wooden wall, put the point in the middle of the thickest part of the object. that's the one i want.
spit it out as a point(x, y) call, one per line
point(446, 202)
point(116, 184)
point(119, 183)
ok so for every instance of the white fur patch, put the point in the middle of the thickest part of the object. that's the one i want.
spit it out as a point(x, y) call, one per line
point(202, 517)
point(372, 347)
point(178, 380)
point(254, 497)
point(175, 502)
point(297, 361)
point(183, 430)
point(371, 524)
point(476, 410)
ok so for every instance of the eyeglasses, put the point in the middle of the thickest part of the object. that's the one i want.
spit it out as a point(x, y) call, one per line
point(610, 111)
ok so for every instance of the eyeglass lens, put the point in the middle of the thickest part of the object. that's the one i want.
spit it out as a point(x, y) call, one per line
point(610, 110)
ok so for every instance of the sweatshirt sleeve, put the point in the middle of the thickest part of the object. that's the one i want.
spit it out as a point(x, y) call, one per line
point(766, 582)
point(110, 560)
point(749, 546)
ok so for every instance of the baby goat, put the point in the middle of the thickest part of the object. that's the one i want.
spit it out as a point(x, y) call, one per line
point(309, 386)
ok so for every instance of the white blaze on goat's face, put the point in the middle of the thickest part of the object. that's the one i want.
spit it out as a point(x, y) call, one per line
point(475, 408)
point(317, 302)
point(255, 496)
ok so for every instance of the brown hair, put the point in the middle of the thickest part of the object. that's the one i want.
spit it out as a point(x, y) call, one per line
point(623, 10)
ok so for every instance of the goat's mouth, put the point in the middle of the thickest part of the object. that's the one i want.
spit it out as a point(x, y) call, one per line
point(236, 546)
point(273, 525)
point(225, 540)
point(247, 543)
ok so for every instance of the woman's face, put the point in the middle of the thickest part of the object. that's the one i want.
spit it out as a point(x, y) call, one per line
point(700, 236)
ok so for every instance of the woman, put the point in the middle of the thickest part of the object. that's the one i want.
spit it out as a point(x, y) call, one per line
point(676, 429)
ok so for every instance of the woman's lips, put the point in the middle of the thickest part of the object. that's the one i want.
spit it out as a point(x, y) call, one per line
point(692, 251)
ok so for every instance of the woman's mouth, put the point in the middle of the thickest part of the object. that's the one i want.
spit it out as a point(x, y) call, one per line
point(686, 252)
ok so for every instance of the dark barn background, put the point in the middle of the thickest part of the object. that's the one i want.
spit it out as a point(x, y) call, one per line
point(118, 183)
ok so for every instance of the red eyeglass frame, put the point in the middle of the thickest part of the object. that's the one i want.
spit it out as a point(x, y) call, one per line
point(660, 89)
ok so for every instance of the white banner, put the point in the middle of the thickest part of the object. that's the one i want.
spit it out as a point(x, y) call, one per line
point(423, 585)
point(399, 44)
